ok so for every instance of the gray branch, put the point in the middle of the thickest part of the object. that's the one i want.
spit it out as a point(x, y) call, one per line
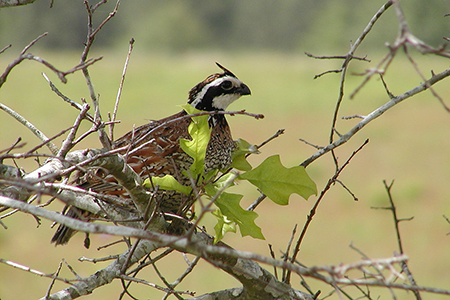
point(11, 3)
point(257, 282)
point(111, 161)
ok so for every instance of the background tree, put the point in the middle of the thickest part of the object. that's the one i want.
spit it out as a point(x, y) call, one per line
point(353, 280)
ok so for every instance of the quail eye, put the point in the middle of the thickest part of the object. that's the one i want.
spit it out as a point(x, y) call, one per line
point(226, 85)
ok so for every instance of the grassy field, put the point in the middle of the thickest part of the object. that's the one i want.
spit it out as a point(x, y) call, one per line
point(409, 144)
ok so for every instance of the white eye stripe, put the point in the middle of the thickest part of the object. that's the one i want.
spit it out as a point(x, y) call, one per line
point(218, 81)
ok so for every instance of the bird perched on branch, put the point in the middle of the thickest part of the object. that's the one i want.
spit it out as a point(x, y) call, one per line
point(154, 148)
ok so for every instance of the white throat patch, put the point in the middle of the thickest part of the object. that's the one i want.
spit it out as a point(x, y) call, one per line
point(222, 102)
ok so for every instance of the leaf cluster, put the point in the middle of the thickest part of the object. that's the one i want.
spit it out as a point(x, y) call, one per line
point(270, 178)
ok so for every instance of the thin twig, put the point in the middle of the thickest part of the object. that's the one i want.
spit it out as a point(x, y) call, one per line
point(379, 272)
point(347, 189)
point(353, 117)
point(119, 92)
point(257, 202)
point(397, 221)
point(147, 224)
point(142, 265)
point(128, 278)
point(32, 43)
point(66, 99)
point(336, 57)
point(5, 48)
point(91, 34)
point(33, 271)
point(52, 282)
point(163, 279)
point(343, 71)
point(416, 67)
point(15, 145)
point(272, 254)
point(277, 134)
point(189, 269)
point(96, 260)
point(313, 210)
point(39, 134)
point(288, 249)
point(310, 144)
point(23, 56)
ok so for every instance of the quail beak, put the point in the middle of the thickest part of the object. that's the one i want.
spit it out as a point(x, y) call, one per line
point(244, 90)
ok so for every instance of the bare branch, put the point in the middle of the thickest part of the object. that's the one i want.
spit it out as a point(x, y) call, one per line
point(32, 271)
point(62, 96)
point(53, 279)
point(433, 92)
point(277, 134)
point(258, 201)
point(397, 221)
point(5, 48)
point(310, 144)
point(129, 278)
point(114, 163)
point(336, 57)
point(197, 247)
point(91, 34)
point(11, 3)
point(376, 113)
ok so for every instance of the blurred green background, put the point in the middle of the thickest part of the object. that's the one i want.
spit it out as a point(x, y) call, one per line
point(204, 25)
point(262, 42)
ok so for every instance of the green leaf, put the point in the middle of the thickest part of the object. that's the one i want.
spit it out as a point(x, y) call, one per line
point(200, 133)
point(279, 182)
point(223, 226)
point(229, 206)
point(238, 156)
point(168, 183)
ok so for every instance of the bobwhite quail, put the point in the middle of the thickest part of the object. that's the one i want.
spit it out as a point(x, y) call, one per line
point(154, 148)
